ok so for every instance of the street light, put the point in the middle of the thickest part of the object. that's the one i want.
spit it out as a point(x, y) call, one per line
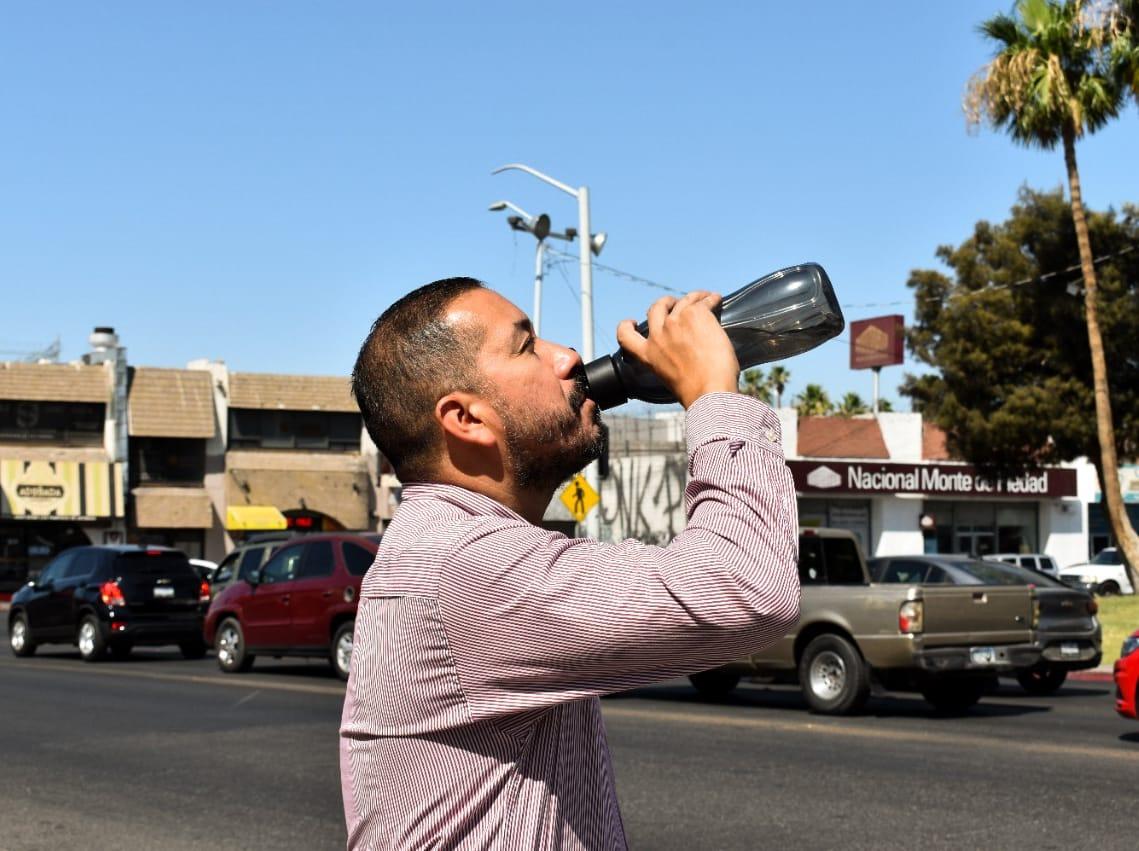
point(590, 245)
point(539, 226)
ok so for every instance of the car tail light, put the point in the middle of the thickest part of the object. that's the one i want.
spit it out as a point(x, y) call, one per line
point(111, 594)
point(1035, 612)
point(911, 617)
point(1093, 606)
point(204, 592)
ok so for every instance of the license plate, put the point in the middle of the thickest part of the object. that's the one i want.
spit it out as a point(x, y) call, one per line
point(1069, 648)
point(163, 592)
point(983, 655)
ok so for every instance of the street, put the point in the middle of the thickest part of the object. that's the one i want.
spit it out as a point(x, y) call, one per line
point(158, 752)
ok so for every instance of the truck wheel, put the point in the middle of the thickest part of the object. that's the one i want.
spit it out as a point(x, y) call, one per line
point(340, 652)
point(230, 646)
point(833, 675)
point(953, 695)
point(715, 684)
point(20, 637)
point(1041, 679)
point(92, 645)
point(1107, 589)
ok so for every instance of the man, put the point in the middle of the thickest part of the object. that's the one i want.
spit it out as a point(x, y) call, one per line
point(482, 640)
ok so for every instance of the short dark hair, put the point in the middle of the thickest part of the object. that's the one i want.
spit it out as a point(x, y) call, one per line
point(410, 359)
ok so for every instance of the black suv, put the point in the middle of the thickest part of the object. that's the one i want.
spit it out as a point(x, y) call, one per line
point(111, 598)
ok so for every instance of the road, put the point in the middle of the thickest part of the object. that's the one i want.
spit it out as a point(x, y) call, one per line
point(158, 752)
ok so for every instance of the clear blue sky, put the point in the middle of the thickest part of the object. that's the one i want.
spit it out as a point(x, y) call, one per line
point(256, 181)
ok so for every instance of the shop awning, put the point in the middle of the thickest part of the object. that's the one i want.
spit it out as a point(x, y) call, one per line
point(39, 489)
point(172, 508)
point(254, 518)
point(331, 483)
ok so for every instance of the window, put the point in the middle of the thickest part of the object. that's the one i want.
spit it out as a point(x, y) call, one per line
point(936, 576)
point(82, 566)
point(357, 559)
point(56, 570)
point(318, 560)
point(1046, 563)
point(294, 429)
point(991, 574)
point(162, 459)
point(1028, 561)
point(811, 561)
point(224, 573)
point(283, 566)
point(844, 567)
point(906, 572)
point(75, 423)
point(251, 561)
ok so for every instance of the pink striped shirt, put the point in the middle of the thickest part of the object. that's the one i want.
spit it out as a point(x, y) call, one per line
point(482, 643)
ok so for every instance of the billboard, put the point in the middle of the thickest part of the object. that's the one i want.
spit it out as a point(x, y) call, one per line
point(876, 342)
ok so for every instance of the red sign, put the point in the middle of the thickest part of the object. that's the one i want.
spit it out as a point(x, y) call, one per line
point(876, 342)
point(927, 480)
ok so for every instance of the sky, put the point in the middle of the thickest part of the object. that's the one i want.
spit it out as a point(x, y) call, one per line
point(255, 182)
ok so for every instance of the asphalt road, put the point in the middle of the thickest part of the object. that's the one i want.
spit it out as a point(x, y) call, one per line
point(158, 752)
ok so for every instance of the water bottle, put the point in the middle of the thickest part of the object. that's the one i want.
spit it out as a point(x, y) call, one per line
point(774, 318)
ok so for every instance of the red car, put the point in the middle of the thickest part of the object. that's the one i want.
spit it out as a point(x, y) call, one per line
point(1127, 678)
point(302, 602)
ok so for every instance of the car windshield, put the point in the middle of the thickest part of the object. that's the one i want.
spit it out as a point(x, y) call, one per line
point(154, 563)
point(1108, 556)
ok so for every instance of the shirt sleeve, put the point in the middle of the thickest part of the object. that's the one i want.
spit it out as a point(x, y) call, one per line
point(535, 618)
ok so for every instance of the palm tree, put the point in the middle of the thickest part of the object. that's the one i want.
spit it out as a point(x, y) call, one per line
point(813, 402)
point(778, 378)
point(851, 405)
point(757, 385)
point(885, 406)
point(1057, 75)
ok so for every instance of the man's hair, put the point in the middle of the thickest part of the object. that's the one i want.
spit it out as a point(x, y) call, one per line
point(410, 359)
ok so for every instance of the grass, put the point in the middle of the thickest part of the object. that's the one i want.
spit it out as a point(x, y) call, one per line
point(1119, 617)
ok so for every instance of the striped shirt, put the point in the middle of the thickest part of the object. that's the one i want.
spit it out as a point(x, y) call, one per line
point(482, 643)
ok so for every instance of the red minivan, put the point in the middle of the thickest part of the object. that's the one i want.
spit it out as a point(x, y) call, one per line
point(302, 602)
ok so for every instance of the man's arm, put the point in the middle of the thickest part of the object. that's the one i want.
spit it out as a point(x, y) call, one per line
point(534, 618)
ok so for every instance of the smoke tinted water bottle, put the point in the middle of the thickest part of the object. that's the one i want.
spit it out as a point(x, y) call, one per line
point(774, 318)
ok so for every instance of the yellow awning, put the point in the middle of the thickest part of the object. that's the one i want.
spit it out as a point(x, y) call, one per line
point(248, 518)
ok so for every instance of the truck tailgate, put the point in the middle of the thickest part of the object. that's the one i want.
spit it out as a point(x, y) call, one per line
point(977, 614)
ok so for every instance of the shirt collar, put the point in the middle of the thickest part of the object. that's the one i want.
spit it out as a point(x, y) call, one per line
point(470, 501)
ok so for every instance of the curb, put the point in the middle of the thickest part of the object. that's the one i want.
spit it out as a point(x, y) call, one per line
point(1093, 675)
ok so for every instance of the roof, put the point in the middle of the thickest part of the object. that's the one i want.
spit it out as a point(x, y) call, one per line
point(934, 443)
point(54, 382)
point(267, 391)
point(171, 403)
point(841, 437)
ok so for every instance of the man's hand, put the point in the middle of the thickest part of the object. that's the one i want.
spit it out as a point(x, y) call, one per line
point(686, 347)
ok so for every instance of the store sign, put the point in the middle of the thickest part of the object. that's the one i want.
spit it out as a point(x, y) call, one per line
point(60, 490)
point(877, 342)
point(926, 480)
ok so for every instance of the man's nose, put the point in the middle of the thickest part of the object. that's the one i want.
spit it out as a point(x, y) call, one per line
point(566, 360)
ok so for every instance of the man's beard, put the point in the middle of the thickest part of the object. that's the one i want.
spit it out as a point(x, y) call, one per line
point(544, 449)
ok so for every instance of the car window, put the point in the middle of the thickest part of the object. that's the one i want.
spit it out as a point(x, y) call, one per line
point(82, 566)
point(902, 570)
point(251, 561)
point(1048, 564)
point(170, 563)
point(357, 559)
point(1028, 561)
point(317, 560)
point(844, 567)
point(225, 570)
point(1108, 556)
point(993, 574)
point(811, 561)
point(54, 571)
point(283, 566)
point(936, 576)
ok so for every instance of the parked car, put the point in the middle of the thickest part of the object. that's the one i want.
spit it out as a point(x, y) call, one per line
point(1127, 677)
point(1068, 633)
point(246, 559)
point(1033, 561)
point(205, 567)
point(1104, 575)
point(301, 602)
point(111, 598)
point(933, 639)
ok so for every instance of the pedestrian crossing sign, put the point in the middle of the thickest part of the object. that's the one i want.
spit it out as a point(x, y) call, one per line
point(579, 497)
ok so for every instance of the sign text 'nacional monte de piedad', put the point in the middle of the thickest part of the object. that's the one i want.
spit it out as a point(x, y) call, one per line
point(927, 480)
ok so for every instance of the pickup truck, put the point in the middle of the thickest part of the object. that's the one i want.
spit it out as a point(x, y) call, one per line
point(949, 643)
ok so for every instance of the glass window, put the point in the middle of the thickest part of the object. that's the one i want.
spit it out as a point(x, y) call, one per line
point(1028, 561)
point(357, 559)
point(56, 569)
point(251, 561)
point(318, 560)
point(906, 572)
point(154, 563)
point(991, 574)
point(283, 566)
point(295, 429)
point(57, 422)
point(163, 459)
point(82, 565)
point(844, 567)
point(936, 576)
point(811, 561)
point(1046, 563)
point(224, 573)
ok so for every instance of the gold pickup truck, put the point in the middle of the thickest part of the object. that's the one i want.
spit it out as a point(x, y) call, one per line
point(948, 642)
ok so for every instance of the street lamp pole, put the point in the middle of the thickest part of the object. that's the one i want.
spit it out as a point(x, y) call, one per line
point(592, 522)
point(539, 270)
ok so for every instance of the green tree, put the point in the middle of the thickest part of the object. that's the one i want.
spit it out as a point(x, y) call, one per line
point(851, 405)
point(885, 406)
point(1057, 76)
point(779, 377)
point(757, 385)
point(1006, 336)
point(813, 402)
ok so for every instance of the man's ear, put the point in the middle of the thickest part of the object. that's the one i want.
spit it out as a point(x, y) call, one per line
point(464, 417)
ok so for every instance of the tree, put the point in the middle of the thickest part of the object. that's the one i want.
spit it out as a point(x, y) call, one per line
point(1057, 76)
point(813, 402)
point(755, 384)
point(1006, 336)
point(779, 377)
point(885, 406)
point(851, 405)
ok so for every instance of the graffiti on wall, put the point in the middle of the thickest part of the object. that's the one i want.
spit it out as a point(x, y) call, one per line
point(643, 497)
